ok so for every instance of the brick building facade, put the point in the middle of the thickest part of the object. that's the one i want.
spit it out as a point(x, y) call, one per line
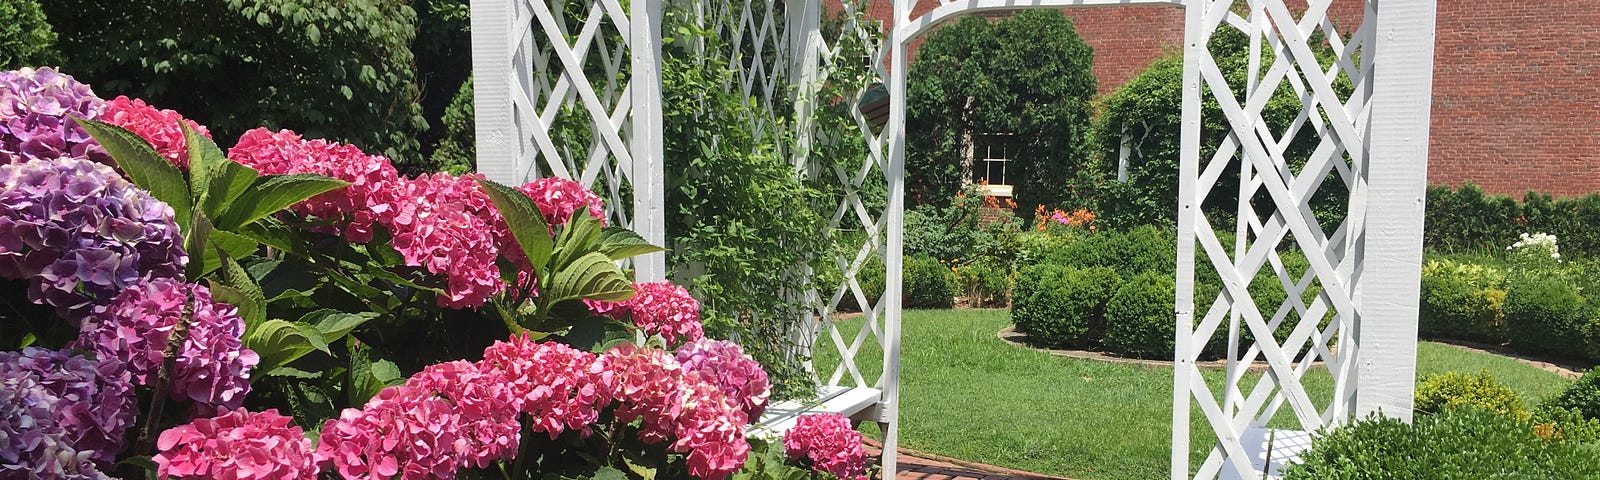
point(1516, 86)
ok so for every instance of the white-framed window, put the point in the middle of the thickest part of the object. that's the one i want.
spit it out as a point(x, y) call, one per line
point(992, 162)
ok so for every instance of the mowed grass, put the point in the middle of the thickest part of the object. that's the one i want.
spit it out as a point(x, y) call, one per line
point(969, 395)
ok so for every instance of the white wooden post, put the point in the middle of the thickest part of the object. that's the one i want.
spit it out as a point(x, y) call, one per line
point(895, 172)
point(649, 157)
point(1386, 331)
point(1184, 374)
point(492, 45)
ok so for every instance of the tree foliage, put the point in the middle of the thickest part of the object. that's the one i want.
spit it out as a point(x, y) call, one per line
point(26, 39)
point(1149, 108)
point(339, 70)
point(1028, 75)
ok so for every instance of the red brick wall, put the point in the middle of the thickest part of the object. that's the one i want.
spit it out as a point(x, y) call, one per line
point(1516, 101)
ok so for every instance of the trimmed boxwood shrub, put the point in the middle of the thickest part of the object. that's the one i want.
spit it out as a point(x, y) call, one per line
point(1058, 305)
point(26, 39)
point(1139, 318)
point(1468, 443)
point(1547, 314)
point(928, 283)
point(1463, 300)
point(1453, 390)
point(1583, 395)
point(1139, 250)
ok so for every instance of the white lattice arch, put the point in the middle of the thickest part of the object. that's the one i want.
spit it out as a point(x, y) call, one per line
point(529, 62)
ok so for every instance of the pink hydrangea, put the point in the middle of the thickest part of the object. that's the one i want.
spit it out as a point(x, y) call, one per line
point(447, 226)
point(558, 198)
point(553, 383)
point(238, 444)
point(484, 400)
point(157, 126)
point(674, 405)
point(369, 199)
point(828, 442)
point(724, 364)
point(212, 368)
point(657, 307)
point(403, 431)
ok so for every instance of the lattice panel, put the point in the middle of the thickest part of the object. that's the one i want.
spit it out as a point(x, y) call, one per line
point(849, 152)
point(570, 94)
point(756, 36)
point(1310, 332)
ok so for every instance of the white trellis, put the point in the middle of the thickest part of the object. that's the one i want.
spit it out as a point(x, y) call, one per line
point(530, 59)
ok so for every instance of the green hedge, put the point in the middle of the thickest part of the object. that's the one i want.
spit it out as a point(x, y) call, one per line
point(1463, 300)
point(928, 283)
point(1465, 219)
point(1583, 395)
point(1059, 305)
point(1546, 314)
point(1463, 444)
point(1139, 318)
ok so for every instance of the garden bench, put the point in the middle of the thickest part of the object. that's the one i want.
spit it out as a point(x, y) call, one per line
point(848, 401)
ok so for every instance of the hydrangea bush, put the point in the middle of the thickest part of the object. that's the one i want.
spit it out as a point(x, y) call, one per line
point(313, 302)
point(828, 443)
point(78, 233)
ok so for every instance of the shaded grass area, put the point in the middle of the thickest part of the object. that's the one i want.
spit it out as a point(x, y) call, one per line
point(967, 394)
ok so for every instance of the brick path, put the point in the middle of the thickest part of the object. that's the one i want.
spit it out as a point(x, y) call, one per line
point(916, 465)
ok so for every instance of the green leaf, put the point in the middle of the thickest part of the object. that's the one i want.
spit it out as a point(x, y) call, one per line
point(272, 193)
point(214, 180)
point(334, 324)
point(619, 243)
point(146, 168)
point(233, 244)
point(597, 334)
point(387, 372)
point(609, 473)
point(523, 217)
point(593, 276)
point(202, 260)
point(253, 308)
point(282, 279)
point(273, 233)
point(575, 239)
point(277, 342)
point(314, 337)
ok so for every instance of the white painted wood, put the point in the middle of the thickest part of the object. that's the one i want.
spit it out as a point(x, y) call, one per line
point(648, 154)
point(848, 401)
point(1185, 352)
point(1285, 449)
point(491, 67)
point(1392, 249)
point(895, 172)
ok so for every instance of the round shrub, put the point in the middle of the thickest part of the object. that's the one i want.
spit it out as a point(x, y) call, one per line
point(1546, 314)
point(1453, 390)
point(1583, 395)
point(1139, 318)
point(928, 283)
point(1463, 300)
point(1463, 444)
point(1058, 305)
point(26, 39)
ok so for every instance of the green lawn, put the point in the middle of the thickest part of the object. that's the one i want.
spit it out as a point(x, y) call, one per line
point(966, 394)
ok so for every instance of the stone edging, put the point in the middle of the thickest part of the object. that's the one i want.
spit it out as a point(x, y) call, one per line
point(1012, 336)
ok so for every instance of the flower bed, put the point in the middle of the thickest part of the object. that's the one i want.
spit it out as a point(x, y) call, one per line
point(254, 314)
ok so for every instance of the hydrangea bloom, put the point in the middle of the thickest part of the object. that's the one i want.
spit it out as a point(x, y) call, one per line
point(403, 431)
point(558, 198)
point(213, 367)
point(81, 234)
point(1536, 244)
point(657, 307)
point(157, 126)
point(829, 443)
point(59, 412)
point(484, 400)
point(238, 444)
point(671, 404)
point(448, 227)
point(353, 209)
point(36, 110)
point(724, 364)
point(553, 383)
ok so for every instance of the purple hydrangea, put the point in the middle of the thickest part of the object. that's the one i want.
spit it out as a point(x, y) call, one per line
point(36, 110)
point(213, 368)
point(80, 234)
point(60, 413)
point(724, 364)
